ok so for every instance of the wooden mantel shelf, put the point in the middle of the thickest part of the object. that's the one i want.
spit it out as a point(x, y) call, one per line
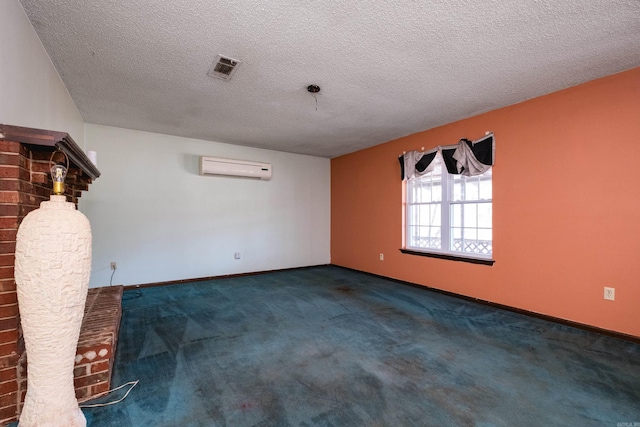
point(50, 140)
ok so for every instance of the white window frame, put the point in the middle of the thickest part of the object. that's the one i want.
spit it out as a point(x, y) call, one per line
point(482, 249)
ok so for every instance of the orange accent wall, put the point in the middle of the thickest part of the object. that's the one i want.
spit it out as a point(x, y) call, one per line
point(566, 206)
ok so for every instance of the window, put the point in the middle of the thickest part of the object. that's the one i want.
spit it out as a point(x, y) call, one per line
point(449, 214)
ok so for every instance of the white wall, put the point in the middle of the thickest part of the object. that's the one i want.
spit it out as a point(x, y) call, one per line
point(150, 211)
point(31, 91)
point(159, 220)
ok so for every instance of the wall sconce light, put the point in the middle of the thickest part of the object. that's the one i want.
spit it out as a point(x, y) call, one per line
point(59, 173)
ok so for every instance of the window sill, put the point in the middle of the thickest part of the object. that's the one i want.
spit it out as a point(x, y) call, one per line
point(483, 261)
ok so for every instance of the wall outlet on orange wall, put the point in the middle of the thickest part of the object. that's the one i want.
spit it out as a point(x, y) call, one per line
point(610, 293)
point(381, 257)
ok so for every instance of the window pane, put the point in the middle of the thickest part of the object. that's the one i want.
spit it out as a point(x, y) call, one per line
point(411, 192)
point(456, 215)
point(485, 189)
point(435, 240)
point(484, 215)
point(436, 193)
point(470, 234)
point(424, 189)
point(436, 215)
point(457, 190)
point(420, 192)
point(420, 215)
point(458, 187)
point(471, 188)
point(470, 214)
point(426, 237)
point(426, 214)
point(456, 242)
point(425, 192)
point(456, 232)
point(412, 218)
point(484, 234)
point(419, 237)
point(411, 236)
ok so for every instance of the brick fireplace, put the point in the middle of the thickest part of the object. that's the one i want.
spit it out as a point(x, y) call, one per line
point(24, 183)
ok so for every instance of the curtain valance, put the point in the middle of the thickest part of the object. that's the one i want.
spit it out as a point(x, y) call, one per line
point(468, 158)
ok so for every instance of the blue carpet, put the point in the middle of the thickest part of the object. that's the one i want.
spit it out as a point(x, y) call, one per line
point(326, 346)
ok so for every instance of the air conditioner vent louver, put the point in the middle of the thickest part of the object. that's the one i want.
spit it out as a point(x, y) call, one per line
point(238, 168)
point(223, 68)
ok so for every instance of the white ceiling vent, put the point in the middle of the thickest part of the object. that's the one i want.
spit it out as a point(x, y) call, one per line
point(223, 68)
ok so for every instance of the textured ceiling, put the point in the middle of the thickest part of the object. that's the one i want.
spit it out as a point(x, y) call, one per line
point(386, 68)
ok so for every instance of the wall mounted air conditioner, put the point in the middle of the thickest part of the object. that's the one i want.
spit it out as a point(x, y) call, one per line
point(229, 167)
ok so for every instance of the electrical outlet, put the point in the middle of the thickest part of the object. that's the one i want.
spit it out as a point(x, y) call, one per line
point(114, 265)
point(610, 293)
point(236, 255)
point(381, 257)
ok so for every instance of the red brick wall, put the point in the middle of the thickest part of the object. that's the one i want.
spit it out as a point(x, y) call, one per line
point(24, 183)
point(97, 342)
